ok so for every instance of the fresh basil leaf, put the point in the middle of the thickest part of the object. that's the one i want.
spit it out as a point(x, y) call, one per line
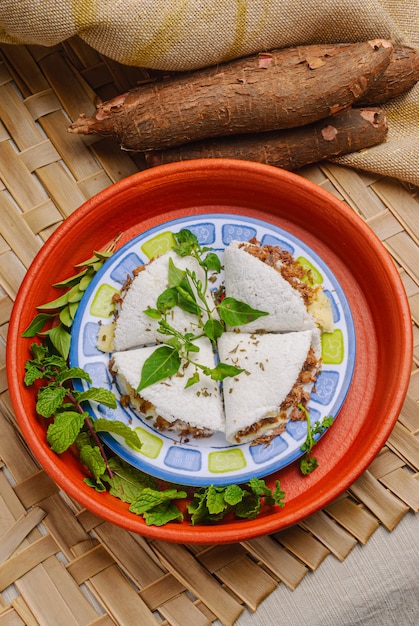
point(236, 313)
point(60, 339)
point(167, 300)
point(37, 324)
point(55, 304)
point(71, 281)
point(187, 301)
point(192, 380)
point(75, 294)
point(162, 363)
point(212, 262)
point(85, 282)
point(213, 329)
point(186, 242)
point(176, 275)
point(223, 370)
point(153, 314)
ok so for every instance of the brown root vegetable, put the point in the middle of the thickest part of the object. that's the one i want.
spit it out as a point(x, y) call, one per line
point(281, 89)
point(400, 75)
point(347, 131)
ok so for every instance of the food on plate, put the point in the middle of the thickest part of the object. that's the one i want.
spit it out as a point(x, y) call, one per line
point(269, 277)
point(242, 374)
point(134, 328)
point(195, 411)
point(280, 370)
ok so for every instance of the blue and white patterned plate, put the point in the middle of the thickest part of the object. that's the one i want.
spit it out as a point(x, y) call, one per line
point(213, 460)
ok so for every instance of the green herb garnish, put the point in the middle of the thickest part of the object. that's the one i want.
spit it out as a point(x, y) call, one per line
point(212, 503)
point(58, 401)
point(56, 319)
point(186, 291)
point(308, 463)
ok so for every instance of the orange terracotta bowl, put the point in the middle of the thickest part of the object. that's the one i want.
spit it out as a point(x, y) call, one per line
point(347, 245)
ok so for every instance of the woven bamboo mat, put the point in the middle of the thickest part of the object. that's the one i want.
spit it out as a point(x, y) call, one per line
point(58, 563)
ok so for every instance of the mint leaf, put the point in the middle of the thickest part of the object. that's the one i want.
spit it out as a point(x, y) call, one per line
point(236, 313)
point(127, 482)
point(49, 399)
point(215, 500)
point(161, 364)
point(249, 507)
point(233, 494)
point(98, 394)
point(162, 514)
point(32, 374)
point(118, 428)
point(72, 372)
point(62, 433)
point(92, 458)
point(150, 498)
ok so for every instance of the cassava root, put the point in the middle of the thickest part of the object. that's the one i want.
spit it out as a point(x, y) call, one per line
point(347, 131)
point(282, 89)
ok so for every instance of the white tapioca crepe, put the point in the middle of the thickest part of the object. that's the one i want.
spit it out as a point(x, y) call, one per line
point(133, 327)
point(261, 286)
point(272, 364)
point(197, 407)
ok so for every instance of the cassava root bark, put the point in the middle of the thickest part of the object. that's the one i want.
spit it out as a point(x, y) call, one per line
point(347, 131)
point(399, 76)
point(282, 89)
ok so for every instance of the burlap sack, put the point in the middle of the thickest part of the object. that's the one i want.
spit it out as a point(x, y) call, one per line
point(188, 34)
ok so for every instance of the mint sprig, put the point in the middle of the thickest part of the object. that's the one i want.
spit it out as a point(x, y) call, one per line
point(214, 503)
point(58, 401)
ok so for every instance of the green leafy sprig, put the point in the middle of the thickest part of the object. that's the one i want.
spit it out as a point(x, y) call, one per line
point(308, 463)
point(213, 503)
point(188, 292)
point(58, 401)
point(56, 318)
